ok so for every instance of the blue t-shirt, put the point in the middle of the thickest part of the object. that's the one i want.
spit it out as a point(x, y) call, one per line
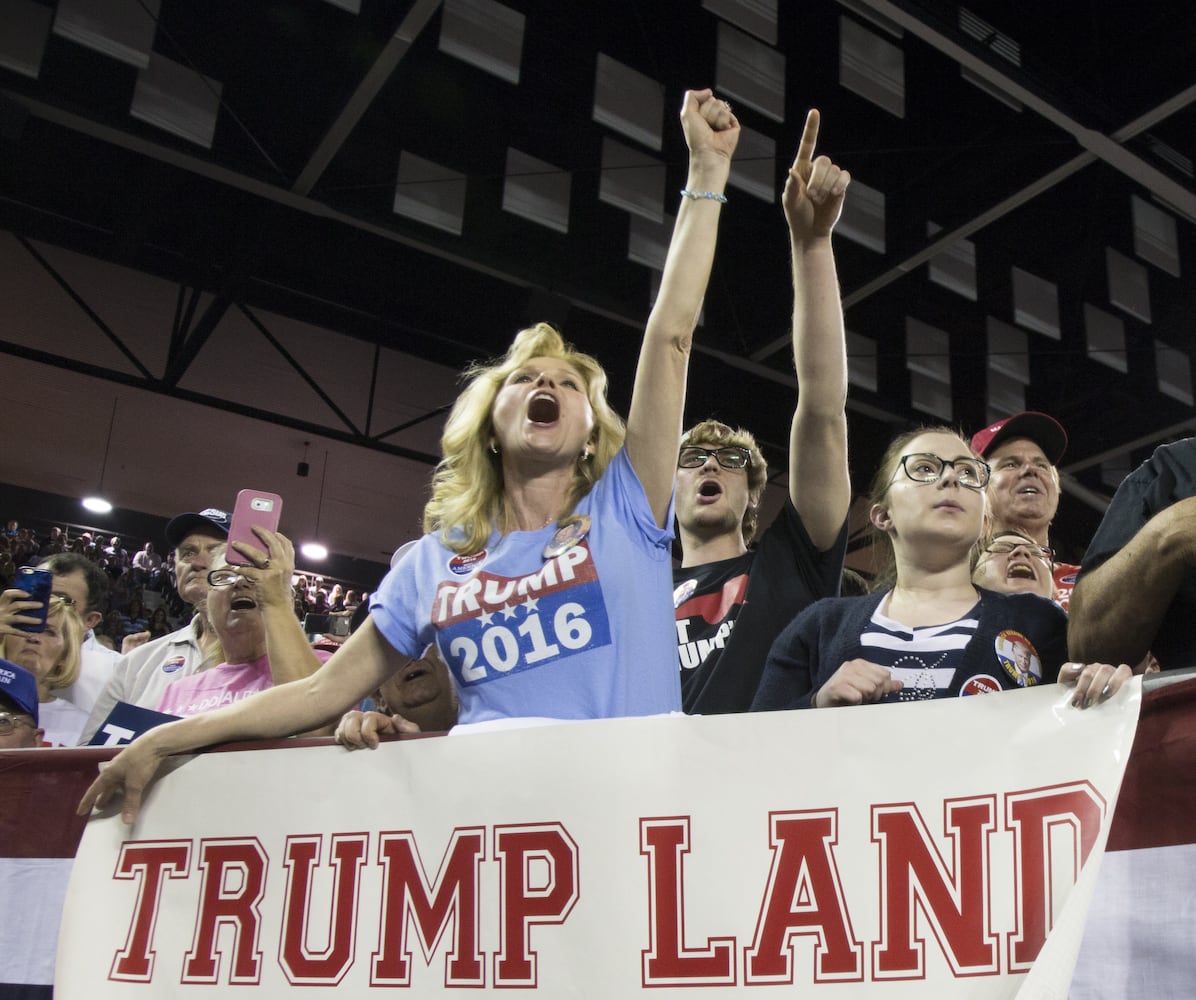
point(585, 634)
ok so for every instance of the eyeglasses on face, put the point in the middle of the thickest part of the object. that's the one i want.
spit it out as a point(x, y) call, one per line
point(63, 598)
point(223, 577)
point(922, 467)
point(1006, 546)
point(9, 722)
point(729, 457)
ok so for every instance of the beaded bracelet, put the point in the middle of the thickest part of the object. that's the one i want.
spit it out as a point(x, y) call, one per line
point(695, 195)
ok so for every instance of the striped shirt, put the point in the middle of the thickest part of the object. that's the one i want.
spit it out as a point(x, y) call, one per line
point(924, 658)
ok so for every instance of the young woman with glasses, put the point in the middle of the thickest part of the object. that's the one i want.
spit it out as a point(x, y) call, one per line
point(931, 633)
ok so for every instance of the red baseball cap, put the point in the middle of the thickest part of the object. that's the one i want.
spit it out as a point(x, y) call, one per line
point(1044, 431)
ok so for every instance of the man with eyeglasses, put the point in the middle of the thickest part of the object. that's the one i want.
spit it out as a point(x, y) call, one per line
point(141, 676)
point(1023, 492)
point(19, 724)
point(731, 600)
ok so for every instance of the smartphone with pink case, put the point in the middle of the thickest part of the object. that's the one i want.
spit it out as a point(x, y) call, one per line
point(254, 509)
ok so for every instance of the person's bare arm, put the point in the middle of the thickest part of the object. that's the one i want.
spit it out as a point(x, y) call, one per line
point(658, 399)
point(1116, 609)
point(355, 670)
point(819, 481)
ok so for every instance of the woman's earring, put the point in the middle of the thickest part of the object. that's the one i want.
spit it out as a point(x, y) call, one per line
point(493, 448)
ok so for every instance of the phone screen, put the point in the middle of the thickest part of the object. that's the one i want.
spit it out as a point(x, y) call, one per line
point(37, 583)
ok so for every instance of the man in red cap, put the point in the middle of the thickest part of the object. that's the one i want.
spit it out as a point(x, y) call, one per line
point(1023, 491)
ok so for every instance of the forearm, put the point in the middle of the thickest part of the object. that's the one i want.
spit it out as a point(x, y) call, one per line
point(291, 656)
point(819, 479)
point(658, 399)
point(1115, 609)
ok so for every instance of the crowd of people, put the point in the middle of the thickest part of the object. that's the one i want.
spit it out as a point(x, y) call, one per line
point(545, 585)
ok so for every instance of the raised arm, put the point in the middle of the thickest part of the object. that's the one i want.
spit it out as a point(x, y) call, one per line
point(1116, 608)
point(819, 482)
point(658, 400)
point(355, 670)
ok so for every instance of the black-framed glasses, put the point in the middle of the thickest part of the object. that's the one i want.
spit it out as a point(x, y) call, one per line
point(730, 456)
point(223, 577)
point(63, 598)
point(923, 467)
point(9, 722)
point(1004, 547)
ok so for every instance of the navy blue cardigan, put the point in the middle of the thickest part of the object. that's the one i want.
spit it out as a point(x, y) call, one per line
point(827, 634)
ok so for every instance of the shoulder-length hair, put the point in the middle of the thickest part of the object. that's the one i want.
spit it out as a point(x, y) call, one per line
point(468, 501)
point(66, 671)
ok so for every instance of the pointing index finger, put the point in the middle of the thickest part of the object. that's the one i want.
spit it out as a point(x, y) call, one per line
point(809, 138)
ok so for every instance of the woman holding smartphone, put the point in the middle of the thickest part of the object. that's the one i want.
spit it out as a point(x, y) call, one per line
point(545, 576)
point(52, 656)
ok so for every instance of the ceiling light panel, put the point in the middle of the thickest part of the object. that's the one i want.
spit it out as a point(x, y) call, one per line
point(1129, 286)
point(1036, 303)
point(927, 350)
point(23, 40)
point(954, 268)
point(1006, 396)
point(122, 29)
point(871, 66)
point(756, 16)
point(1008, 350)
point(930, 396)
point(750, 71)
point(537, 191)
point(863, 218)
point(1174, 369)
point(861, 362)
point(430, 193)
point(628, 101)
point(1105, 334)
point(754, 168)
point(484, 34)
point(648, 242)
point(178, 100)
point(1155, 237)
point(631, 180)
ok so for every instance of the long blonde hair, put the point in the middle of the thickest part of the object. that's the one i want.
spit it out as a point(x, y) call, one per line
point(468, 501)
point(65, 672)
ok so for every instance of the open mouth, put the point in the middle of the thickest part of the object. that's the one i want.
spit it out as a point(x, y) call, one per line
point(543, 408)
point(710, 488)
point(243, 604)
point(1029, 490)
point(1019, 571)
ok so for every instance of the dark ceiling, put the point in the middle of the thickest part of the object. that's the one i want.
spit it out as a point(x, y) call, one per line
point(291, 207)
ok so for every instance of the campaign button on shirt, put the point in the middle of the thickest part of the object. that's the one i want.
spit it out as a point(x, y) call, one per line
point(980, 684)
point(464, 565)
point(173, 664)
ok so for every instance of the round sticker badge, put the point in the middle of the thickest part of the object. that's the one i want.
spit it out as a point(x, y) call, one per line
point(980, 684)
point(464, 565)
point(684, 592)
point(1018, 658)
point(567, 535)
point(173, 664)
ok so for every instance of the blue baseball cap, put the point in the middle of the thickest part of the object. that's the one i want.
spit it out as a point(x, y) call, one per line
point(19, 687)
point(210, 521)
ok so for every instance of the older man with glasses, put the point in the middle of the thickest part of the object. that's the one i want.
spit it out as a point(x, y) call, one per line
point(731, 600)
point(19, 724)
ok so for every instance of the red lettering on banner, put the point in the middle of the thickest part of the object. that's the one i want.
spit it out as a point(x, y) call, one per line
point(913, 875)
point(305, 966)
point(148, 861)
point(526, 900)
point(406, 891)
point(804, 897)
point(1075, 809)
point(668, 962)
point(234, 882)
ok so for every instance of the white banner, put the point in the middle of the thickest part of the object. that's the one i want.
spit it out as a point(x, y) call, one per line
point(906, 851)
